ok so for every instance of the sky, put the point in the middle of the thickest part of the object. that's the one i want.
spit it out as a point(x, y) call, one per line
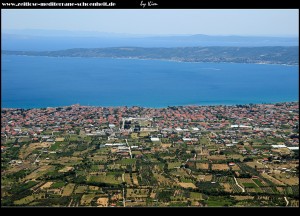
point(259, 22)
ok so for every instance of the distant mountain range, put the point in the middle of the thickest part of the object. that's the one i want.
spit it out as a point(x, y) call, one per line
point(51, 40)
point(288, 55)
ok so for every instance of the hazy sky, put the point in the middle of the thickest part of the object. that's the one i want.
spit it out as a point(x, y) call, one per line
point(141, 21)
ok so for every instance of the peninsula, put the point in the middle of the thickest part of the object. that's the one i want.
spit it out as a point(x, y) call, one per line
point(288, 55)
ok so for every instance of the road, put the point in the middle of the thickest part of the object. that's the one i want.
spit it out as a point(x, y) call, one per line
point(37, 158)
point(287, 201)
point(129, 148)
point(243, 190)
point(124, 202)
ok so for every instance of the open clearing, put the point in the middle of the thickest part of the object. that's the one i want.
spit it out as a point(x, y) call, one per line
point(86, 199)
point(220, 167)
point(102, 202)
point(68, 189)
point(39, 172)
point(109, 179)
point(127, 178)
point(134, 178)
point(59, 139)
point(216, 157)
point(239, 198)
point(172, 165)
point(227, 187)
point(94, 188)
point(196, 196)
point(28, 199)
point(202, 166)
point(27, 150)
point(275, 181)
point(65, 169)
point(46, 185)
point(80, 189)
point(161, 179)
point(187, 185)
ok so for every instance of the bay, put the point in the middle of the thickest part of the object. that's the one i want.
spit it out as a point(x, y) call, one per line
point(34, 82)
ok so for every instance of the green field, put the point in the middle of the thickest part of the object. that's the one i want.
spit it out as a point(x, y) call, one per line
point(197, 196)
point(126, 161)
point(173, 164)
point(57, 185)
point(250, 185)
point(28, 199)
point(80, 189)
point(218, 201)
point(55, 146)
point(258, 182)
point(108, 179)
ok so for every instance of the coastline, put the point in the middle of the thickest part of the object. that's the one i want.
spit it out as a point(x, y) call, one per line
point(155, 107)
point(154, 59)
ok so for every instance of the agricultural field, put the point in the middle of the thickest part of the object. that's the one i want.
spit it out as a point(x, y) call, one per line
point(68, 189)
point(220, 167)
point(85, 160)
point(203, 166)
point(80, 189)
point(105, 178)
point(173, 165)
point(102, 202)
point(86, 199)
point(134, 179)
point(186, 185)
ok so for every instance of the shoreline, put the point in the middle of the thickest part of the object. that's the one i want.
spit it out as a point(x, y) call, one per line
point(146, 107)
point(153, 59)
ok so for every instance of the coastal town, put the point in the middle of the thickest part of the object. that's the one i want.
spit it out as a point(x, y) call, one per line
point(223, 155)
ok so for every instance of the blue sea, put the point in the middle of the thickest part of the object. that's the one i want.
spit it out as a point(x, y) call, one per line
point(29, 82)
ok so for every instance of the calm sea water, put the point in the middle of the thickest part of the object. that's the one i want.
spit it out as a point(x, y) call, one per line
point(29, 82)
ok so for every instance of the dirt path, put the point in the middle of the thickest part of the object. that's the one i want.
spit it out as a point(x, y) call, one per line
point(129, 148)
point(243, 190)
point(70, 203)
point(124, 203)
point(287, 201)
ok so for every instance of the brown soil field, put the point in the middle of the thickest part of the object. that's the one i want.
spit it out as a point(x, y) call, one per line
point(39, 172)
point(65, 169)
point(46, 185)
point(216, 157)
point(275, 181)
point(59, 139)
point(243, 197)
point(166, 145)
point(134, 178)
point(102, 202)
point(287, 179)
point(220, 167)
point(86, 199)
point(227, 187)
point(187, 185)
point(202, 166)
point(208, 177)
point(68, 189)
point(27, 150)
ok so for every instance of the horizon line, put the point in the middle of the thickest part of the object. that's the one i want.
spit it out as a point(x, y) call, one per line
point(146, 34)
